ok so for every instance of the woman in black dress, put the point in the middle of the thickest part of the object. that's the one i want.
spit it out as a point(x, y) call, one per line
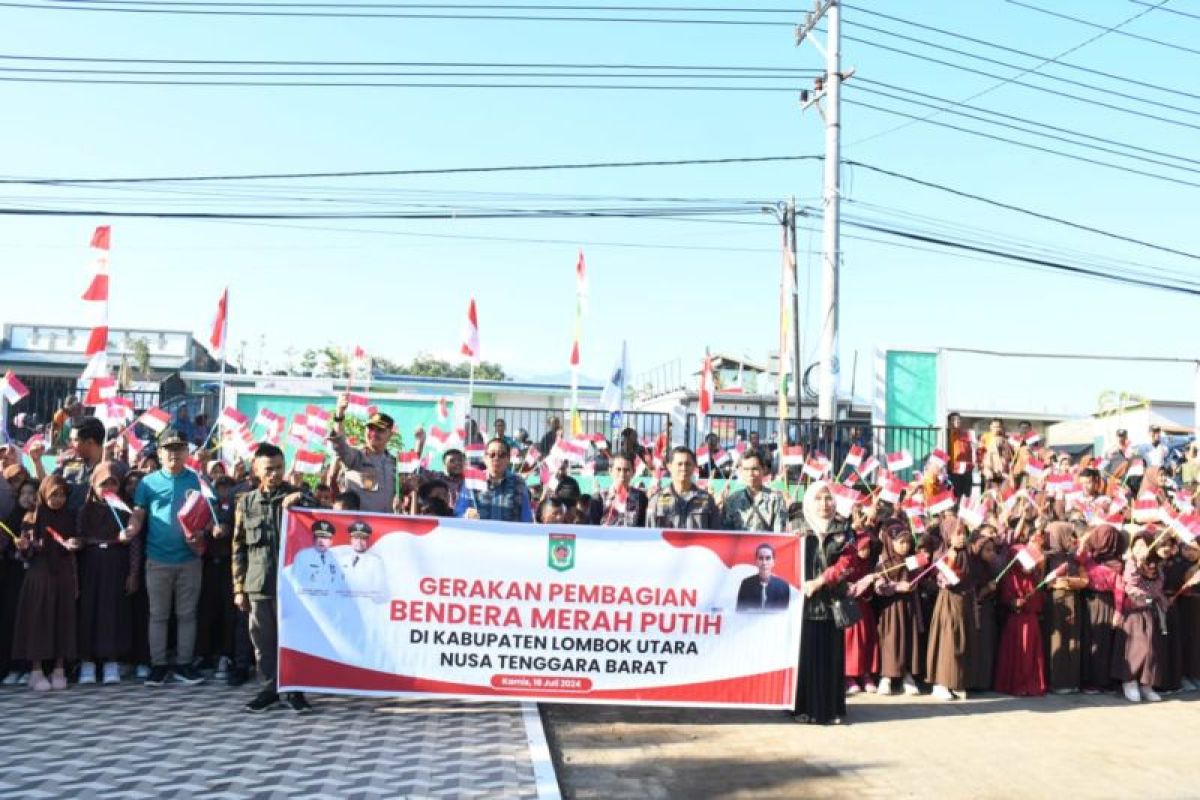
point(827, 548)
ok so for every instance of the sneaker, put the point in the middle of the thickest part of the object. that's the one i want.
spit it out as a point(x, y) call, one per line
point(222, 670)
point(112, 673)
point(87, 673)
point(237, 676)
point(870, 688)
point(11, 679)
point(885, 686)
point(187, 674)
point(1149, 695)
point(1065, 691)
point(852, 689)
point(1091, 690)
point(58, 680)
point(910, 686)
point(297, 702)
point(263, 701)
point(38, 682)
point(1130, 689)
point(142, 672)
point(157, 675)
point(1189, 685)
point(942, 693)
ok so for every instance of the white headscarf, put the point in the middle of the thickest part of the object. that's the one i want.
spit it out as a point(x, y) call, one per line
point(818, 524)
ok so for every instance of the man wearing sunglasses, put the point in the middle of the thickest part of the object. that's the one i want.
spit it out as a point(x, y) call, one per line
point(504, 498)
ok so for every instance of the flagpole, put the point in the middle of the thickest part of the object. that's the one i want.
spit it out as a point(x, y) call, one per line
point(224, 350)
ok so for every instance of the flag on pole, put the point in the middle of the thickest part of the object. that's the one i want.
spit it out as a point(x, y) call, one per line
point(216, 337)
point(792, 456)
point(358, 405)
point(890, 489)
point(470, 336)
point(408, 463)
point(786, 290)
point(474, 479)
point(899, 461)
point(868, 466)
point(1028, 556)
point(918, 561)
point(136, 445)
point(580, 294)
point(845, 498)
point(115, 502)
point(940, 502)
point(705, 399)
point(971, 513)
point(855, 456)
point(100, 390)
point(96, 350)
point(946, 572)
point(12, 389)
point(232, 418)
point(613, 397)
point(155, 419)
point(938, 458)
point(309, 463)
point(360, 362)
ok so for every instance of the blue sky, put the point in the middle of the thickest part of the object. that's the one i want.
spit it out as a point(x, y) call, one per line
point(395, 289)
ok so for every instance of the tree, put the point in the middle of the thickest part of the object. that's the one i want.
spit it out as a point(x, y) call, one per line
point(140, 350)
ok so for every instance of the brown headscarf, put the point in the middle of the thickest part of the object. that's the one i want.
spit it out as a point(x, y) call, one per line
point(43, 517)
point(1060, 544)
point(1104, 545)
point(96, 520)
point(14, 471)
point(890, 530)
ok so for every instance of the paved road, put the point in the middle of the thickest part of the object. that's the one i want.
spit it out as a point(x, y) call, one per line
point(130, 741)
point(990, 747)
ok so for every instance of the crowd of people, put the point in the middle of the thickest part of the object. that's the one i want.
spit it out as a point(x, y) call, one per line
point(1052, 573)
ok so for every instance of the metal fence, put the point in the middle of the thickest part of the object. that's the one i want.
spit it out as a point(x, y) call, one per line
point(536, 421)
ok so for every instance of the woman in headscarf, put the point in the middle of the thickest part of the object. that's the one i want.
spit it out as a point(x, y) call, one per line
point(139, 612)
point(1063, 619)
point(45, 628)
point(952, 625)
point(1100, 556)
point(900, 619)
point(985, 562)
point(1169, 641)
point(827, 544)
point(12, 577)
point(1020, 659)
point(1141, 608)
point(106, 580)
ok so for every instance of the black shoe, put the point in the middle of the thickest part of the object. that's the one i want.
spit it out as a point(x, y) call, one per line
point(188, 674)
point(297, 702)
point(158, 676)
point(263, 701)
point(237, 676)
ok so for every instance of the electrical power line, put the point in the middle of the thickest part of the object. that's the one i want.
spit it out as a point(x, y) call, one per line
point(1028, 145)
point(1168, 10)
point(1090, 24)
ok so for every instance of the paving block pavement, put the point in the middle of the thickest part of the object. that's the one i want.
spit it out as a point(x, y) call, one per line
point(989, 746)
point(130, 741)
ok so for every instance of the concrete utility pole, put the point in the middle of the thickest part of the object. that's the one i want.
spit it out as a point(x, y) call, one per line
point(829, 87)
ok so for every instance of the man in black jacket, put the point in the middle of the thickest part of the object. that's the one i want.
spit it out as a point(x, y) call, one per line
point(764, 591)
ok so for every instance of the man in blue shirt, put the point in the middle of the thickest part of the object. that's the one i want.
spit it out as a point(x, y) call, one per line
point(173, 570)
point(504, 498)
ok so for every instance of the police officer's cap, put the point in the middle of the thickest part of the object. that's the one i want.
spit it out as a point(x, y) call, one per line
point(323, 529)
point(382, 421)
point(170, 437)
point(360, 528)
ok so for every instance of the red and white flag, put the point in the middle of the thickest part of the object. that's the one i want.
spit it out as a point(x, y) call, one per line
point(115, 502)
point(705, 399)
point(155, 419)
point(868, 466)
point(855, 456)
point(357, 406)
point(475, 452)
point(792, 456)
point(532, 455)
point(1059, 484)
point(890, 489)
point(1187, 526)
point(36, 439)
point(571, 451)
point(115, 410)
point(408, 463)
point(946, 572)
point(1136, 467)
point(232, 419)
point(220, 324)
point(938, 457)
point(815, 468)
point(298, 434)
point(317, 421)
point(101, 389)
point(136, 445)
point(1035, 468)
point(917, 561)
point(1145, 508)
point(1032, 438)
point(474, 479)
point(845, 498)
point(943, 501)
point(1028, 556)
point(470, 336)
point(308, 462)
point(443, 410)
point(913, 507)
point(971, 513)
point(12, 389)
point(360, 362)
point(899, 461)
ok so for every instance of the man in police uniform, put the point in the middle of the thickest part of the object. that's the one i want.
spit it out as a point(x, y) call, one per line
point(316, 568)
point(364, 572)
point(757, 507)
point(683, 504)
point(257, 532)
point(371, 469)
point(87, 441)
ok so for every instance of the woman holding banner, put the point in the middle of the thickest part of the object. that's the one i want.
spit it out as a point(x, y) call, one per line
point(827, 547)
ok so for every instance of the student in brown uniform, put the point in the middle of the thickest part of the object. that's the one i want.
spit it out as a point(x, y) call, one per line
point(952, 626)
point(898, 611)
point(1062, 616)
point(1100, 555)
point(983, 547)
point(1169, 640)
point(106, 582)
point(46, 624)
point(1141, 608)
point(1188, 603)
